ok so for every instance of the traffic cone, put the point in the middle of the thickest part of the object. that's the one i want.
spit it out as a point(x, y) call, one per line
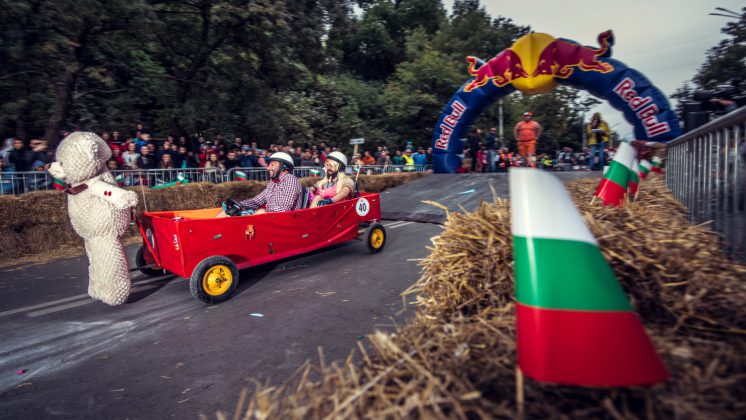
point(574, 324)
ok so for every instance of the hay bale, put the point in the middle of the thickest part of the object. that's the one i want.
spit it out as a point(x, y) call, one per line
point(455, 358)
point(379, 183)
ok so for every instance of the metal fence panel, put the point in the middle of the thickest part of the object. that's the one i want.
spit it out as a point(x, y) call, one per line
point(706, 171)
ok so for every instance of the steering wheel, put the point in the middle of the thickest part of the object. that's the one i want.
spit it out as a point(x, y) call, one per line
point(232, 207)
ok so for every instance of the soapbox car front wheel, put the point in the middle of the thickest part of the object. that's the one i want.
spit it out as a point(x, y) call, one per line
point(375, 237)
point(143, 266)
point(214, 280)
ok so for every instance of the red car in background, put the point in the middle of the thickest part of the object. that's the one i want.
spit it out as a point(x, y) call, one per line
point(210, 252)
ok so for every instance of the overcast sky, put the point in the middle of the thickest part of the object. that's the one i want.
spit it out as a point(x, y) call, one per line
point(666, 40)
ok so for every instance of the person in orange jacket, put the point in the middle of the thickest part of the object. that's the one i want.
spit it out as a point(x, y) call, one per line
point(527, 132)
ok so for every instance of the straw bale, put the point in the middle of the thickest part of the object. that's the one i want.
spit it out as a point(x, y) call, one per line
point(379, 183)
point(455, 358)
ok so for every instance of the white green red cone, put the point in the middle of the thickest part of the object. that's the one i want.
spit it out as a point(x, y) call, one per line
point(644, 168)
point(615, 181)
point(574, 324)
point(657, 165)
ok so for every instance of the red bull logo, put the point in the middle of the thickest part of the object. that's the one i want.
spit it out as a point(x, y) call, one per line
point(501, 70)
point(533, 62)
point(560, 58)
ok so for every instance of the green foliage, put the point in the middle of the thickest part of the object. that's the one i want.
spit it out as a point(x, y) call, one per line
point(725, 65)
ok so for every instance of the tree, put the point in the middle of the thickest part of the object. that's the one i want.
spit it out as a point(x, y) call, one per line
point(191, 34)
point(725, 62)
point(724, 66)
point(472, 31)
point(377, 46)
point(416, 94)
point(52, 44)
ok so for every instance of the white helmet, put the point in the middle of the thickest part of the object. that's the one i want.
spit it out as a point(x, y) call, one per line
point(340, 158)
point(285, 160)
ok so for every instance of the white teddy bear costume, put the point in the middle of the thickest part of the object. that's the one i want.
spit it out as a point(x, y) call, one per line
point(99, 212)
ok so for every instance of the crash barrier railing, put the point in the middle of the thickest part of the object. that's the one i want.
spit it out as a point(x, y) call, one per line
point(21, 182)
point(706, 171)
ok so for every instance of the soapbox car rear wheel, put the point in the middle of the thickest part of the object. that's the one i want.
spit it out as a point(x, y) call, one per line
point(214, 279)
point(142, 264)
point(375, 237)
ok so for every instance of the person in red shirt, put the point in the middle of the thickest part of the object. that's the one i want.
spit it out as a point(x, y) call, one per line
point(368, 159)
point(527, 132)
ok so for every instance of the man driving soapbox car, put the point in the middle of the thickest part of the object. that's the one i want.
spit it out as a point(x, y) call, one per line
point(210, 251)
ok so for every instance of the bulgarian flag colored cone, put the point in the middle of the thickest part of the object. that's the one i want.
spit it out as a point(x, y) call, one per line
point(614, 184)
point(241, 176)
point(120, 180)
point(644, 168)
point(574, 324)
point(657, 165)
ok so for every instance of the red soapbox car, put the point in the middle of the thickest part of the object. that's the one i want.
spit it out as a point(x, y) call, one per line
point(209, 251)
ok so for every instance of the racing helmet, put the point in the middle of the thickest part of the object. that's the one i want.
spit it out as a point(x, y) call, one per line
point(286, 162)
point(527, 114)
point(340, 158)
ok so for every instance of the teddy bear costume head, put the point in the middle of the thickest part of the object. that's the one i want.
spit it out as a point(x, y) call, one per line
point(99, 212)
point(80, 156)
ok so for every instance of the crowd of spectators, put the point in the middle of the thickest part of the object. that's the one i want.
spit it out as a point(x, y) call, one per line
point(17, 156)
point(140, 151)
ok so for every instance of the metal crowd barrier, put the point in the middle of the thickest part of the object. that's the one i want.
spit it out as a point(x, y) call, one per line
point(12, 183)
point(390, 169)
point(706, 171)
point(21, 182)
point(155, 177)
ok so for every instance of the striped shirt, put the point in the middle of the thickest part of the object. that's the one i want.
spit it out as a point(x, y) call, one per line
point(284, 194)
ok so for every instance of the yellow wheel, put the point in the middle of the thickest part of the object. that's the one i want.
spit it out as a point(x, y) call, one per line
point(217, 280)
point(214, 280)
point(375, 237)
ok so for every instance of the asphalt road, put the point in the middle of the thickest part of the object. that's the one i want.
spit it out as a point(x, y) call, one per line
point(166, 355)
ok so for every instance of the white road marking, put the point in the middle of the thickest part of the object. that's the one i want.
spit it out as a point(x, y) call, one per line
point(41, 305)
point(400, 225)
point(81, 303)
point(76, 297)
point(60, 308)
point(398, 222)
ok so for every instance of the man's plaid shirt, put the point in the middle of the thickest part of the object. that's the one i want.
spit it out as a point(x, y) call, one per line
point(282, 195)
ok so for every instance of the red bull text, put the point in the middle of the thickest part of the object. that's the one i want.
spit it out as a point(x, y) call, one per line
point(449, 122)
point(646, 111)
